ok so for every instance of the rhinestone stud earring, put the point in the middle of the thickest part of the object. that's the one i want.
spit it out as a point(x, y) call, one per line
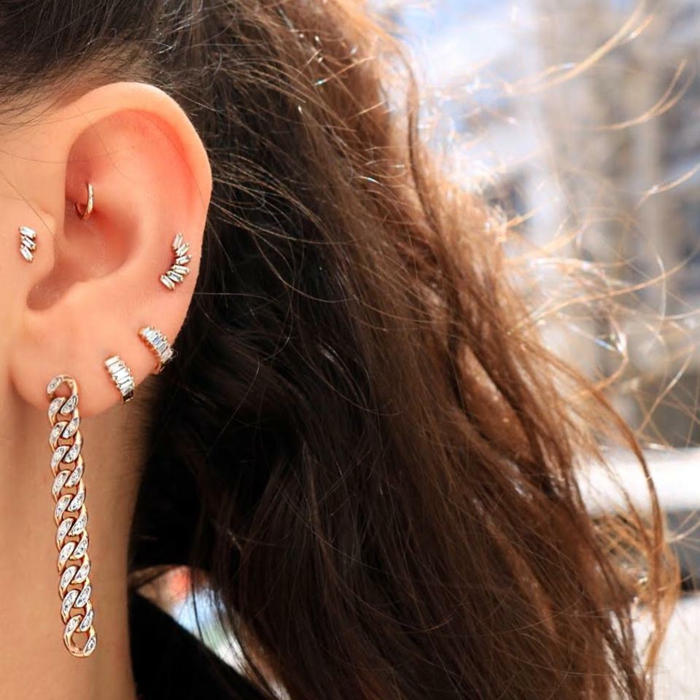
point(27, 243)
point(178, 270)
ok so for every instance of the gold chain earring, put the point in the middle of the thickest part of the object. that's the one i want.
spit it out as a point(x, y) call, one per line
point(71, 516)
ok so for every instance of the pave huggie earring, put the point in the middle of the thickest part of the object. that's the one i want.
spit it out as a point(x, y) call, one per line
point(85, 210)
point(178, 270)
point(27, 242)
point(158, 344)
point(71, 517)
point(121, 376)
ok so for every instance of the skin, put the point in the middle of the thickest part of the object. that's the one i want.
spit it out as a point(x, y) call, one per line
point(93, 284)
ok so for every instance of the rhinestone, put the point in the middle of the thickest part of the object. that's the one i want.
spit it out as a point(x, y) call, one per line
point(56, 432)
point(77, 502)
point(70, 405)
point(63, 531)
point(84, 596)
point(68, 602)
point(58, 455)
point(53, 385)
point(167, 282)
point(28, 232)
point(83, 572)
point(75, 476)
point(73, 453)
point(55, 405)
point(61, 506)
point(90, 645)
point(85, 624)
point(67, 577)
point(65, 553)
point(59, 481)
point(72, 625)
point(81, 548)
point(26, 254)
point(79, 526)
point(71, 428)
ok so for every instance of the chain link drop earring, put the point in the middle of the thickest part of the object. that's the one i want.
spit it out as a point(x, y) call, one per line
point(71, 517)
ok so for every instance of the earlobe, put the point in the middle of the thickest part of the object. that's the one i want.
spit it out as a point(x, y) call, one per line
point(98, 280)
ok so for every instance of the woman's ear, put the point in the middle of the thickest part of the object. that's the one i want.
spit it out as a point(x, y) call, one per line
point(94, 283)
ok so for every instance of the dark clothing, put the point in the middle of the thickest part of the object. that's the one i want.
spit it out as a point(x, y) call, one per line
point(172, 664)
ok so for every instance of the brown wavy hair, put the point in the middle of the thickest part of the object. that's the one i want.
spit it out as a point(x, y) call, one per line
point(364, 449)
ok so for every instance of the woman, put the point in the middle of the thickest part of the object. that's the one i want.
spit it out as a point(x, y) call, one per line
point(358, 446)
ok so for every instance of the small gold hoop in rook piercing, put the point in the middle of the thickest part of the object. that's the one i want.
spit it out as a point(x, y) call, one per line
point(121, 376)
point(158, 344)
point(85, 210)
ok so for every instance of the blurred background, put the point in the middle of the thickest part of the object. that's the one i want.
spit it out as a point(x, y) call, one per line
point(579, 120)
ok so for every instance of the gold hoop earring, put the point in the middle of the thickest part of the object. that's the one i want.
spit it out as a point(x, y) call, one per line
point(71, 516)
point(85, 210)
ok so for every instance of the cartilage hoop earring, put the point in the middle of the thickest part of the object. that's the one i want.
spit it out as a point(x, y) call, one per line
point(85, 210)
point(71, 517)
point(27, 243)
point(121, 376)
point(178, 270)
point(158, 344)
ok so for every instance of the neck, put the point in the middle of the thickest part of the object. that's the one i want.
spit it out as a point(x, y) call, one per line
point(34, 662)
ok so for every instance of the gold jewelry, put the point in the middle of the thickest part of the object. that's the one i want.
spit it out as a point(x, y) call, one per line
point(158, 344)
point(121, 376)
point(178, 270)
point(71, 516)
point(85, 210)
point(27, 242)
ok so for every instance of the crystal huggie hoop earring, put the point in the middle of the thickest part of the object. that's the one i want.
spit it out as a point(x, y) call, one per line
point(159, 346)
point(71, 516)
